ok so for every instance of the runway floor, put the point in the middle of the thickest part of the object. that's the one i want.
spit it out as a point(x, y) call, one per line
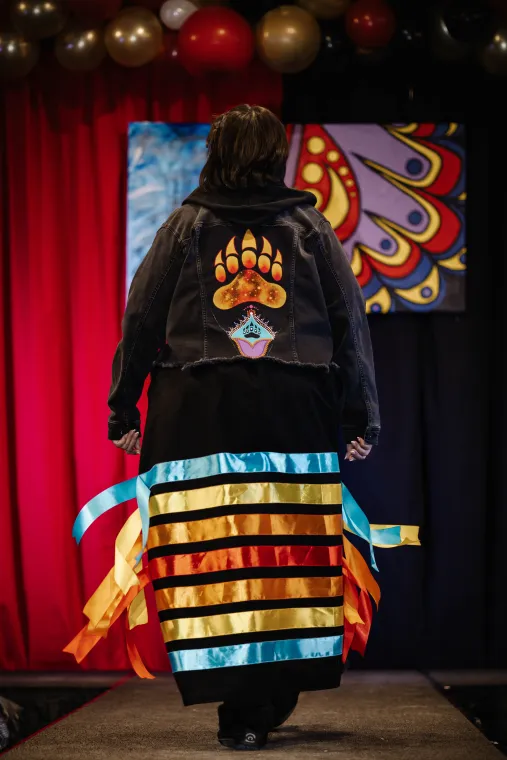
point(396, 716)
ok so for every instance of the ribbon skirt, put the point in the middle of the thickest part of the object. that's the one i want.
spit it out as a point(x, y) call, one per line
point(246, 565)
point(247, 576)
point(239, 529)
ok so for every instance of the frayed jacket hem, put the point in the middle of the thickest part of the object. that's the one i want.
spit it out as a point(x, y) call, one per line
point(234, 359)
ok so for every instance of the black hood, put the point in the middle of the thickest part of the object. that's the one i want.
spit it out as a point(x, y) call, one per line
point(250, 206)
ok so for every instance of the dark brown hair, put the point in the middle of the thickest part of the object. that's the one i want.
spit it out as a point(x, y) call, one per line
point(247, 147)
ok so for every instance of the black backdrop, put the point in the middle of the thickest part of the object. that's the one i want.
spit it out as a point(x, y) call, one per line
point(442, 458)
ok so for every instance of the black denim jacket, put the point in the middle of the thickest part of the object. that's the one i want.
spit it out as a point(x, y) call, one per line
point(246, 275)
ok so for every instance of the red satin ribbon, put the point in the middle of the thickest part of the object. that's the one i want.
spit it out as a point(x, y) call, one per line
point(358, 584)
point(244, 557)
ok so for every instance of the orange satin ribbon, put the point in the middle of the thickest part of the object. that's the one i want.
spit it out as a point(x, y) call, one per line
point(252, 589)
point(244, 525)
point(354, 560)
point(82, 644)
point(121, 590)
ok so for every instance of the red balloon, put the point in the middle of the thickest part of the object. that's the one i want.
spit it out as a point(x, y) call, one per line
point(94, 10)
point(215, 39)
point(370, 23)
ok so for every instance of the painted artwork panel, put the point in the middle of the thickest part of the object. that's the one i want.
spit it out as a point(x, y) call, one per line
point(164, 163)
point(394, 194)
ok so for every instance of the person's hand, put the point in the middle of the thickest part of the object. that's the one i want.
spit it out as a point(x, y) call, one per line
point(130, 443)
point(357, 450)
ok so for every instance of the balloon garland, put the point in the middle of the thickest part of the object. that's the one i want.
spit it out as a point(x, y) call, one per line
point(215, 39)
point(288, 39)
point(210, 36)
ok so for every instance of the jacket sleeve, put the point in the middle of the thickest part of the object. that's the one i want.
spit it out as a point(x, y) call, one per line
point(143, 330)
point(351, 338)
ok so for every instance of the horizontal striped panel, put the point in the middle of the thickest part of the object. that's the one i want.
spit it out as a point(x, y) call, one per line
point(237, 558)
point(235, 541)
point(244, 574)
point(228, 526)
point(248, 590)
point(249, 462)
point(245, 493)
point(249, 622)
point(256, 653)
point(241, 509)
point(248, 638)
point(249, 606)
point(247, 477)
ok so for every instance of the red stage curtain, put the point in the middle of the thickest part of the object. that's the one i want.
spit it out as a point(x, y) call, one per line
point(62, 240)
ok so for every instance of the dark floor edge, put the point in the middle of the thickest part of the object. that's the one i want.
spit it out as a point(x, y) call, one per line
point(113, 687)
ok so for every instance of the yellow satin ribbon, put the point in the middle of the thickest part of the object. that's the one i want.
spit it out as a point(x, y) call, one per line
point(245, 525)
point(245, 493)
point(409, 535)
point(122, 589)
point(352, 616)
point(252, 621)
point(252, 589)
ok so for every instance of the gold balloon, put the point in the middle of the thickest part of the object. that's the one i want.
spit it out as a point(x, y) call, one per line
point(494, 55)
point(288, 39)
point(134, 37)
point(80, 49)
point(18, 56)
point(325, 9)
point(37, 19)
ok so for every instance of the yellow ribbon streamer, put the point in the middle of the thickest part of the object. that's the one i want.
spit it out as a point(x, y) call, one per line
point(409, 535)
point(122, 589)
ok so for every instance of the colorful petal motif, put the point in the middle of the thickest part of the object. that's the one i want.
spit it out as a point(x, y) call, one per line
point(395, 196)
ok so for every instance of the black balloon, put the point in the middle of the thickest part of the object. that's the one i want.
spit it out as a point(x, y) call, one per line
point(336, 48)
point(411, 36)
point(445, 46)
point(372, 56)
point(494, 54)
point(468, 21)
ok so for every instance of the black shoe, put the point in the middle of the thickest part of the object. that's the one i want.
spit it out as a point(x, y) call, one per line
point(284, 707)
point(246, 740)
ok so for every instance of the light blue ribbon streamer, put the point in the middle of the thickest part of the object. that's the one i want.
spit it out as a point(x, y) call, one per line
point(255, 653)
point(386, 536)
point(102, 503)
point(355, 521)
point(192, 469)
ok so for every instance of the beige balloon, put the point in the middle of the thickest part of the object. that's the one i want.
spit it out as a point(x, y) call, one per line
point(325, 9)
point(78, 48)
point(134, 37)
point(37, 19)
point(18, 56)
point(288, 39)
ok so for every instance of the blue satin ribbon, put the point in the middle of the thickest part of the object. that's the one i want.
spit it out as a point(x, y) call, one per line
point(255, 653)
point(386, 536)
point(355, 521)
point(200, 467)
